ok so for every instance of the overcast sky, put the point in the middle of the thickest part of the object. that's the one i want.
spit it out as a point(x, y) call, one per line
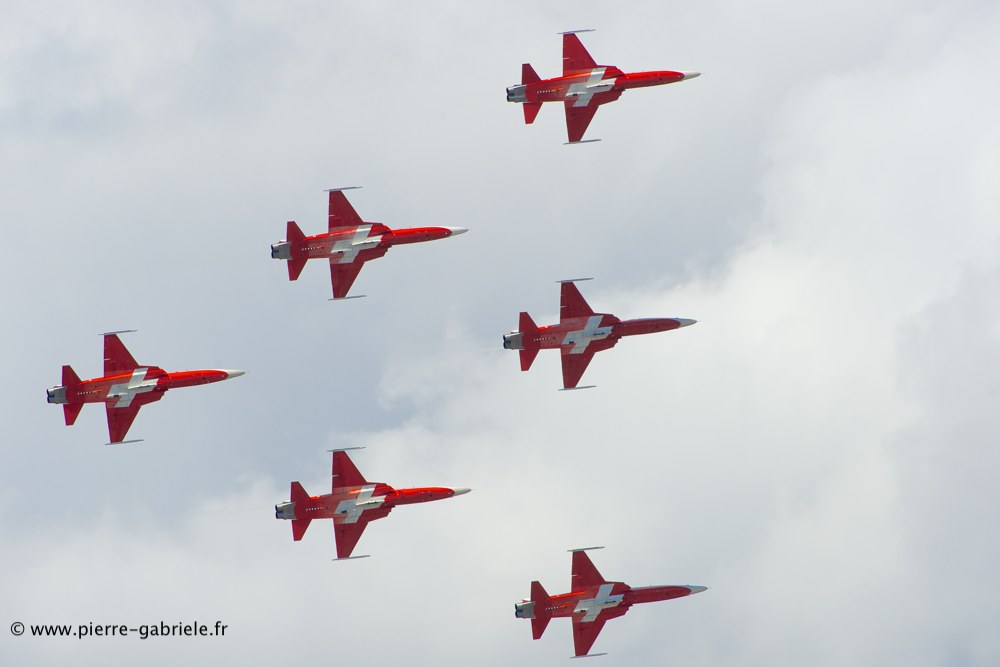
point(820, 449)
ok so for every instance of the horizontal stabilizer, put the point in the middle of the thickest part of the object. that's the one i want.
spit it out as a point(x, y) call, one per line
point(531, 110)
point(293, 234)
point(295, 267)
point(538, 625)
point(588, 655)
point(528, 75)
point(527, 357)
point(298, 494)
point(124, 442)
point(115, 333)
point(571, 143)
point(586, 386)
point(573, 32)
point(345, 298)
point(71, 411)
point(348, 187)
point(299, 527)
point(69, 377)
point(525, 324)
point(352, 557)
point(542, 617)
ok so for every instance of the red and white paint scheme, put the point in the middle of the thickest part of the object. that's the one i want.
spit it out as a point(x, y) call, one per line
point(591, 602)
point(583, 87)
point(125, 387)
point(580, 334)
point(348, 243)
point(352, 503)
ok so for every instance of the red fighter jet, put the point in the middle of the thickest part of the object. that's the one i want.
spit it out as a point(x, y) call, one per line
point(583, 87)
point(591, 603)
point(125, 387)
point(352, 504)
point(348, 243)
point(580, 334)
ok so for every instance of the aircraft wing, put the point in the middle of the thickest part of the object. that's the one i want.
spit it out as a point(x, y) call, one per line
point(575, 56)
point(584, 573)
point(585, 632)
point(572, 303)
point(348, 534)
point(342, 276)
point(580, 111)
point(120, 419)
point(573, 365)
point(345, 473)
point(342, 214)
point(343, 273)
point(117, 359)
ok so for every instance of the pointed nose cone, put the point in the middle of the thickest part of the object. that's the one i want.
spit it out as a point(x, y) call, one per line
point(685, 322)
point(460, 490)
point(455, 231)
point(233, 374)
point(697, 589)
point(690, 75)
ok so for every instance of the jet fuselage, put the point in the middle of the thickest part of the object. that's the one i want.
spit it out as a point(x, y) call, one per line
point(348, 242)
point(592, 599)
point(586, 84)
point(123, 387)
point(346, 504)
point(579, 331)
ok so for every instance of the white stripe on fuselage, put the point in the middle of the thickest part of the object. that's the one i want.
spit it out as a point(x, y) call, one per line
point(126, 391)
point(353, 507)
point(595, 83)
point(580, 338)
point(345, 251)
point(592, 607)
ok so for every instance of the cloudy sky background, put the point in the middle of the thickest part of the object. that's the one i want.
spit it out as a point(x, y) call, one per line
point(820, 449)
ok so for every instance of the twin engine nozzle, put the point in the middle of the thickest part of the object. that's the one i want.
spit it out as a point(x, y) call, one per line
point(524, 609)
point(284, 511)
point(512, 341)
point(517, 94)
point(281, 250)
point(56, 395)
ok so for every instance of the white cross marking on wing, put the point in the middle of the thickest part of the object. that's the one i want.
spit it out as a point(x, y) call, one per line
point(354, 507)
point(126, 391)
point(344, 252)
point(592, 607)
point(595, 83)
point(580, 338)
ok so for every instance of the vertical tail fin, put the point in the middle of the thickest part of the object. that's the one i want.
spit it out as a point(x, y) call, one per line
point(299, 526)
point(542, 617)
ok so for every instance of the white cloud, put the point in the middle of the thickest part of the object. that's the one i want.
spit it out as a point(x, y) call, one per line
point(817, 449)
